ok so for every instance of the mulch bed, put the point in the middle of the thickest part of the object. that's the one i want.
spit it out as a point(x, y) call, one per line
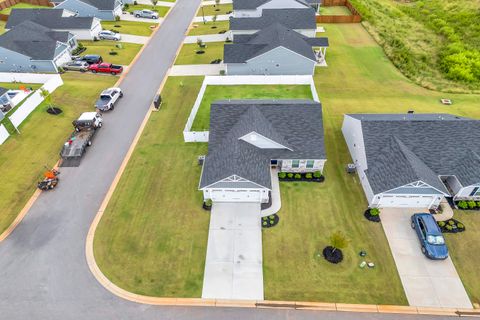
point(269, 222)
point(205, 207)
point(369, 217)
point(454, 229)
point(332, 256)
point(313, 179)
point(54, 111)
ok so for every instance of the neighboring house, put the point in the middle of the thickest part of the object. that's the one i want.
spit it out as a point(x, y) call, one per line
point(274, 50)
point(254, 8)
point(300, 20)
point(248, 137)
point(101, 9)
point(84, 28)
point(415, 160)
point(6, 103)
point(30, 47)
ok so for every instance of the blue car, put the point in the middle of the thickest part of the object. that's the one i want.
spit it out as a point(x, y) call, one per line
point(430, 236)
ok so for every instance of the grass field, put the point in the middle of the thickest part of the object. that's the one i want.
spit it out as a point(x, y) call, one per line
point(187, 55)
point(153, 235)
point(2, 26)
point(125, 54)
point(152, 238)
point(23, 156)
point(162, 11)
point(17, 85)
point(206, 28)
point(129, 27)
point(20, 6)
point(215, 10)
point(335, 11)
point(461, 247)
point(212, 93)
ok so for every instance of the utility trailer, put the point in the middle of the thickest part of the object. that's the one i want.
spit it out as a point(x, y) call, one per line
point(85, 129)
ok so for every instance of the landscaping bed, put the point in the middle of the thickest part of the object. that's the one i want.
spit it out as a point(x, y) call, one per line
point(270, 221)
point(451, 226)
point(468, 205)
point(372, 214)
point(308, 176)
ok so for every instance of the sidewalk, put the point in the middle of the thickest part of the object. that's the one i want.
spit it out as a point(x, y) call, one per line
point(220, 17)
point(209, 38)
point(197, 69)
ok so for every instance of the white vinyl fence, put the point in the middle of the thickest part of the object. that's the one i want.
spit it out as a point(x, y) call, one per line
point(3, 134)
point(202, 136)
point(27, 77)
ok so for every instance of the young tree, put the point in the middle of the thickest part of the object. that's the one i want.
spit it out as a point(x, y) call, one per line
point(338, 241)
point(200, 43)
point(154, 2)
point(47, 98)
point(214, 19)
point(217, 2)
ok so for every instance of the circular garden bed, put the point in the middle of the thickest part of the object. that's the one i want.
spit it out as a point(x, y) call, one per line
point(54, 111)
point(372, 215)
point(451, 226)
point(270, 221)
point(333, 255)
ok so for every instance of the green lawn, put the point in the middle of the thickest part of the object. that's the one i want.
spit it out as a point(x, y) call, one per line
point(188, 55)
point(23, 156)
point(152, 238)
point(212, 93)
point(2, 26)
point(215, 10)
point(162, 11)
point(129, 27)
point(462, 247)
point(17, 85)
point(125, 54)
point(21, 6)
point(335, 11)
point(200, 28)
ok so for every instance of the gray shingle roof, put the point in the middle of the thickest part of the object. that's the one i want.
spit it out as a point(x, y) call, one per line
point(3, 91)
point(276, 35)
point(296, 124)
point(102, 4)
point(290, 18)
point(253, 4)
point(50, 18)
point(405, 148)
point(33, 40)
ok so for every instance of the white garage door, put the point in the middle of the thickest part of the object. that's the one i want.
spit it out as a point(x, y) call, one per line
point(236, 195)
point(401, 201)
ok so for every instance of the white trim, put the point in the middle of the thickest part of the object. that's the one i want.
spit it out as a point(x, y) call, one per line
point(408, 185)
point(270, 140)
point(283, 48)
point(224, 180)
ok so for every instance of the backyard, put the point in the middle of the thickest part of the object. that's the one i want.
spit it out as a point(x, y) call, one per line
point(212, 93)
point(335, 11)
point(129, 27)
point(125, 51)
point(215, 10)
point(201, 28)
point(23, 156)
point(188, 54)
point(21, 6)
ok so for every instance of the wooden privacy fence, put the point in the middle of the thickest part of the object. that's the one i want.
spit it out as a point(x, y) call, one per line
point(355, 16)
point(9, 3)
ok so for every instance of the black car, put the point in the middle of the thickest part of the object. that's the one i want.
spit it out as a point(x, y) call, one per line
point(91, 58)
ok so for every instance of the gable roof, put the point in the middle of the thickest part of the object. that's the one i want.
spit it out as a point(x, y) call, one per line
point(404, 148)
point(296, 124)
point(276, 35)
point(291, 18)
point(253, 4)
point(50, 18)
point(102, 4)
point(33, 40)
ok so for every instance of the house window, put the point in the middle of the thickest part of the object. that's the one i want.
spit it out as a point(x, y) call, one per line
point(310, 164)
point(295, 163)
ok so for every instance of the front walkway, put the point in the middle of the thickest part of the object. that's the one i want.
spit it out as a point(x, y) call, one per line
point(276, 199)
point(212, 2)
point(233, 267)
point(131, 17)
point(197, 69)
point(427, 283)
point(133, 38)
point(209, 37)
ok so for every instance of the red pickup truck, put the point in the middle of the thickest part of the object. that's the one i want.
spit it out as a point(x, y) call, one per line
point(106, 68)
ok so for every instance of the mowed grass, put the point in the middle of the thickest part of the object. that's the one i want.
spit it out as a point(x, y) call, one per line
point(21, 6)
point(23, 156)
point(129, 27)
point(188, 55)
point(462, 247)
point(2, 26)
point(19, 85)
point(162, 11)
point(124, 55)
point(200, 28)
point(215, 10)
point(152, 237)
point(359, 78)
point(335, 11)
point(212, 93)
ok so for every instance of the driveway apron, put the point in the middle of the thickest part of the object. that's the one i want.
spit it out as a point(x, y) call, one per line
point(233, 267)
point(427, 283)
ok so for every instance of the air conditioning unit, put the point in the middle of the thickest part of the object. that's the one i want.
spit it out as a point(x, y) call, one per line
point(351, 168)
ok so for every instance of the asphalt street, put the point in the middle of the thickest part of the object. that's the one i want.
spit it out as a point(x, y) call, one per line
point(43, 271)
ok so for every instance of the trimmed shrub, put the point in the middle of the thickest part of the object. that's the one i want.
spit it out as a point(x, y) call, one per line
point(471, 204)
point(308, 176)
point(265, 223)
point(460, 226)
point(462, 204)
point(441, 224)
point(208, 202)
point(451, 222)
point(290, 175)
point(298, 176)
point(374, 212)
point(478, 204)
point(117, 18)
point(282, 175)
point(449, 227)
point(317, 174)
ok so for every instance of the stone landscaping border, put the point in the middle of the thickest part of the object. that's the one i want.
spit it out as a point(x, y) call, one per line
point(202, 136)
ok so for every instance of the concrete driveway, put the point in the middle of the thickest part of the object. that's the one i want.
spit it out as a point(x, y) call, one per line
point(131, 17)
point(427, 283)
point(233, 267)
point(133, 38)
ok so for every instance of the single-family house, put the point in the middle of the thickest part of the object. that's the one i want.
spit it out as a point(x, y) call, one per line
point(30, 47)
point(101, 9)
point(84, 28)
point(414, 160)
point(300, 20)
point(249, 137)
point(274, 50)
point(254, 8)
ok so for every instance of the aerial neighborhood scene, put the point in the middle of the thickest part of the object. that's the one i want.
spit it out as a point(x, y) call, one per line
point(239, 159)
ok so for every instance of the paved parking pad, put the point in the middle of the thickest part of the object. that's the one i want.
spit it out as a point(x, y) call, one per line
point(233, 267)
point(427, 283)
